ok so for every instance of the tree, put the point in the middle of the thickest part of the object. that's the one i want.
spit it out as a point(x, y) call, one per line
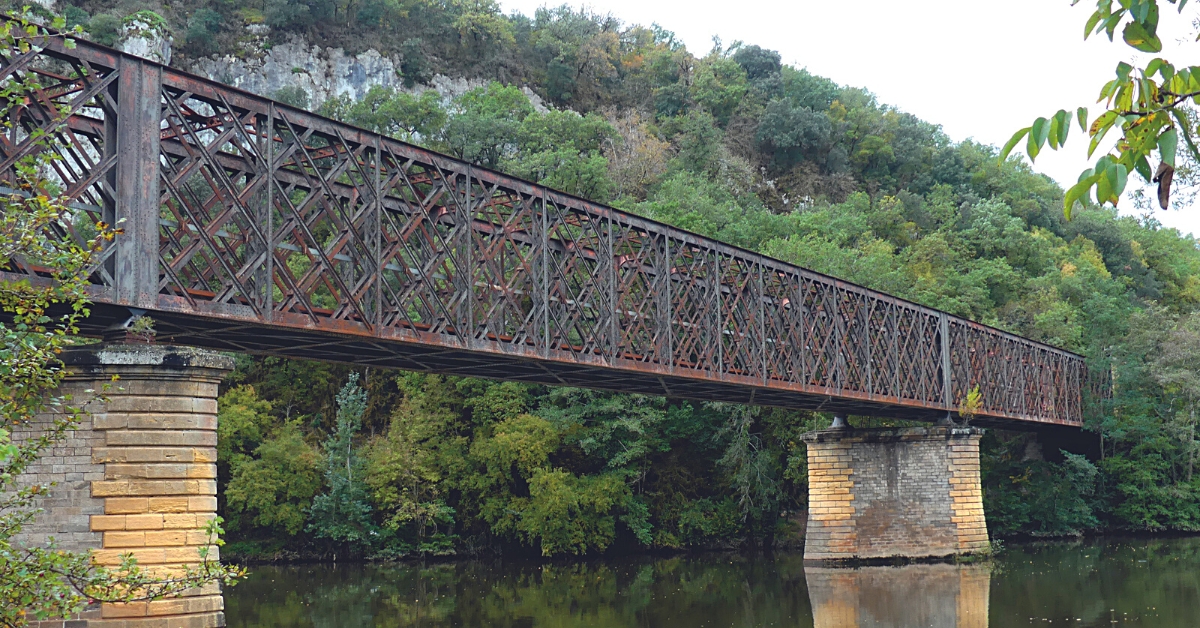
point(389, 112)
point(45, 582)
point(1150, 105)
point(343, 514)
point(273, 486)
point(1175, 368)
point(409, 466)
point(485, 124)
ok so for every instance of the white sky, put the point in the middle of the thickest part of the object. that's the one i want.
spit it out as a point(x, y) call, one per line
point(981, 70)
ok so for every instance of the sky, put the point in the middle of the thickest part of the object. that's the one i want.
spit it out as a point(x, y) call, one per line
point(982, 70)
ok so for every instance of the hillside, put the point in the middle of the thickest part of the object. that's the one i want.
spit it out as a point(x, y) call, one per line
point(729, 143)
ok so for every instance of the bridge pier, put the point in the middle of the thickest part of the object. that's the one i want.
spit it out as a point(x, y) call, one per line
point(138, 476)
point(882, 494)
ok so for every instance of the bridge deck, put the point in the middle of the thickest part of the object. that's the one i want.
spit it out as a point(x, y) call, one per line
point(252, 226)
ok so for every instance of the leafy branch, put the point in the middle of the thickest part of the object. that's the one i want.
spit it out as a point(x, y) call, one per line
point(1145, 103)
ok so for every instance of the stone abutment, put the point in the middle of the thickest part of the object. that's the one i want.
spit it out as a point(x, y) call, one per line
point(138, 476)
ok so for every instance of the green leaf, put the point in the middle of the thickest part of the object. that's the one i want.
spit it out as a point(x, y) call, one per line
point(1108, 89)
point(1032, 148)
point(1143, 168)
point(1099, 129)
point(1040, 132)
point(1187, 136)
point(1123, 70)
point(1139, 10)
point(1090, 27)
point(1079, 192)
point(1081, 114)
point(1117, 176)
point(1063, 120)
point(1103, 187)
point(1167, 142)
point(1110, 25)
point(1149, 19)
point(1167, 71)
point(1012, 143)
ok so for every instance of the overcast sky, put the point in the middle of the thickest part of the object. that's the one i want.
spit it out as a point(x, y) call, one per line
point(982, 70)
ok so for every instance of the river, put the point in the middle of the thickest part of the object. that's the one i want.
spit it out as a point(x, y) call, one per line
point(1089, 584)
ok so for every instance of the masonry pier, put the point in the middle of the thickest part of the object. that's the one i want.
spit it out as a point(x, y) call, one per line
point(879, 494)
point(138, 476)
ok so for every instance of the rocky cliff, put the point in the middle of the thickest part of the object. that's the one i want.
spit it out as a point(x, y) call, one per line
point(322, 73)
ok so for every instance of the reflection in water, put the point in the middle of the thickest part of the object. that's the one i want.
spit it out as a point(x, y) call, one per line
point(949, 596)
point(708, 590)
point(1086, 585)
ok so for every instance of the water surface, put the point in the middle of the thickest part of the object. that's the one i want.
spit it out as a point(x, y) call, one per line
point(1084, 584)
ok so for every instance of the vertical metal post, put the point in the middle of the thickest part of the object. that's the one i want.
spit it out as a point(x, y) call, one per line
point(799, 318)
point(378, 283)
point(614, 341)
point(894, 331)
point(139, 120)
point(762, 321)
point(111, 148)
point(268, 230)
point(944, 332)
point(261, 208)
point(867, 333)
point(469, 237)
point(545, 276)
point(715, 280)
point(669, 325)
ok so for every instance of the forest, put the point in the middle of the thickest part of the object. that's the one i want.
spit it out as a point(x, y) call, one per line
point(325, 460)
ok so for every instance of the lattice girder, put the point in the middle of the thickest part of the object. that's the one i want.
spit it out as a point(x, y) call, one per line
point(254, 226)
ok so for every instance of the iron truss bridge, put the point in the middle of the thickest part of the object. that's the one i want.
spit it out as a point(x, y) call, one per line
point(255, 227)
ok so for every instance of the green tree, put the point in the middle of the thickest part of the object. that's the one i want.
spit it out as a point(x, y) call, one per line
point(389, 112)
point(563, 150)
point(273, 486)
point(485, 123)
point(411, 469)
point(343, 514)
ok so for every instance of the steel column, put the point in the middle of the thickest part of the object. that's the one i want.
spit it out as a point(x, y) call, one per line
point(138, 122)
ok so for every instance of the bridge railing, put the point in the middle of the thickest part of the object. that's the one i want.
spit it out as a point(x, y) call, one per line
point(240, 208)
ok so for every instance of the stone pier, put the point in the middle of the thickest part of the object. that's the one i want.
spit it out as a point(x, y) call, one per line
point(138, 476)
point(878, 494)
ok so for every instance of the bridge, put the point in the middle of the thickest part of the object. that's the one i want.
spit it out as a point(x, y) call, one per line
point(251, 226)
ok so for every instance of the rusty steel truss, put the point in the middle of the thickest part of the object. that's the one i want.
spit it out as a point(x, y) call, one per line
point(255, 227)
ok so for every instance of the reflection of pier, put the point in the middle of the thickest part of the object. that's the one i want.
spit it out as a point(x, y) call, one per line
point(937, 596)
